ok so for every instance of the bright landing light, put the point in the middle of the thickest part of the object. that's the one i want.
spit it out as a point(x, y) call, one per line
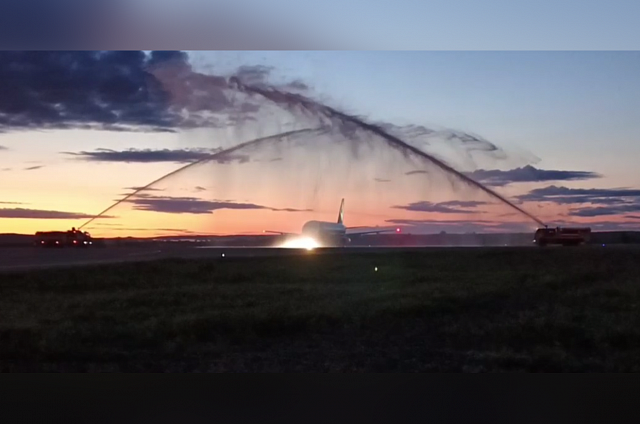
point(300, 243)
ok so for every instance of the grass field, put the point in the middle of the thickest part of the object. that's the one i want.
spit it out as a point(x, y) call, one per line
point(446, 310)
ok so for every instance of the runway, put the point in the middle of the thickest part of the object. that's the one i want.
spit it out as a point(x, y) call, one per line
point(28, 258)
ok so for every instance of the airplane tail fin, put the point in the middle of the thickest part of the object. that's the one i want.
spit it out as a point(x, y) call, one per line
point(341, 213)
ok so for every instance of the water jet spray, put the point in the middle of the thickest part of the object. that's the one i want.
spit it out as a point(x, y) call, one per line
point(213, 156)
point(292, 100)
point(328, 119)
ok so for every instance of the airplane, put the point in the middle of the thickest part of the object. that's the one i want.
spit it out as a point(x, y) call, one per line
point(329, 234)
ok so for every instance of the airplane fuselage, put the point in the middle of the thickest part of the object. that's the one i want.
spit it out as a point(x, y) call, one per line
point(329, 234)
point(326, 233)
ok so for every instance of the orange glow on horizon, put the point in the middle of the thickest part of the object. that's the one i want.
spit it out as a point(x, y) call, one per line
point(221, 222)
point(234, 222)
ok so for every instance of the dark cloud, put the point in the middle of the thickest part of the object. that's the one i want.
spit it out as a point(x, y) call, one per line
point(381, 180)
point(4, 148)
point(192, 205)
point(118, 91)
point(463, 203)
point(154, 156)
point(161, 57)
point(443, 207)
point(11, 203)
point(199, 189)
point(565, 195)
point(528, 174)
point(33, 168)
point(179, 205)
point(415, 172)
point(6, 169)
point(605, 210)
point(143, 156)
point(79, 89)
point(230, 158)
point(593, 199)
point(145, 189)
point(632, 217)
point(42, 214)
point(602, 201)
point(290, 210)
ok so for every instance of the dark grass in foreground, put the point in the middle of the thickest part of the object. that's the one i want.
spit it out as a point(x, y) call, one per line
point(571, 309)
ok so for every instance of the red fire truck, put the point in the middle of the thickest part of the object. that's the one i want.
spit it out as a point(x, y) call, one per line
point(71, 238)
point(565, 236)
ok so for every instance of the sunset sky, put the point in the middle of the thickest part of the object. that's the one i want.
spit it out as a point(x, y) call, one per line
point(556, 132)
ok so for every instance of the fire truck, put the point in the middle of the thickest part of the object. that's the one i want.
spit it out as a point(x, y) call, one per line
point(562, 236)
point(71, 238)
